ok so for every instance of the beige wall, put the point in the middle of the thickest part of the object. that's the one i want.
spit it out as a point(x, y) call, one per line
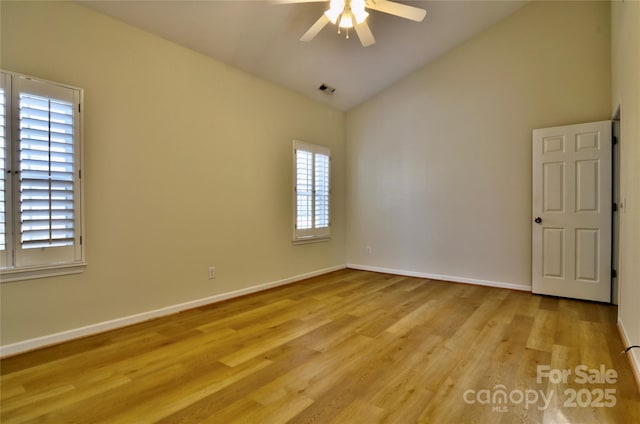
point(625, 38)
point(187, 165)
point(439, 165)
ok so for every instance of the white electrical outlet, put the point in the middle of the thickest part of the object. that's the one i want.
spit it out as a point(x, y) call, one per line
point(369, 250)
point(212, 272)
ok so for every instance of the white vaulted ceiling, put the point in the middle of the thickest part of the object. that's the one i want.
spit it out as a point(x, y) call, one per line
point(262, 38)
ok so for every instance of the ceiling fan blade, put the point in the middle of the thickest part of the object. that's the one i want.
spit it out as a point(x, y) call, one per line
point(315, 28)
point(397, 9)
point(364, 34)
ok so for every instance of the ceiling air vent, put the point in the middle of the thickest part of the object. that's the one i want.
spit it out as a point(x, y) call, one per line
point(327, 89)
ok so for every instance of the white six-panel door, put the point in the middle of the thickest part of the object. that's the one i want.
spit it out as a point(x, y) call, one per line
point(571, 223)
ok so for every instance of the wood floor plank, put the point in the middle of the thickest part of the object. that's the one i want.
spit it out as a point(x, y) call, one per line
point(359, 411)
point(257, 348)
point(346, 347)
point(542, 335)
point(283, 359)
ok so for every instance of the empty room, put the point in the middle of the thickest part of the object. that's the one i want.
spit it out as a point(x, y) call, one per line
point(314, 211)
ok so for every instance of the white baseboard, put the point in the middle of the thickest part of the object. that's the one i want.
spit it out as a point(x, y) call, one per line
point(633, 357)
point(51, 339)
point(451, 278)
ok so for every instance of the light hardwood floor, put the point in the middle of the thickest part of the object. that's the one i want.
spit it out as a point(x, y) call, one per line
point(346, 347)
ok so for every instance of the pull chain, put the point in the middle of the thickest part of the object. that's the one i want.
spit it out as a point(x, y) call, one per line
point(339, 33)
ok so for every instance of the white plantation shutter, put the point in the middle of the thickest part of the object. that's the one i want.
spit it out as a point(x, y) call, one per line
point(304, 189)
point(3, 167)
point(4, 93)
point(46, 172)
point(44, 150)
point(311, 173)
point(321, 190)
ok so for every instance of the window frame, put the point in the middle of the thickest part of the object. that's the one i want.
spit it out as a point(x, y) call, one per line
point(315, 233)
point(17, 262)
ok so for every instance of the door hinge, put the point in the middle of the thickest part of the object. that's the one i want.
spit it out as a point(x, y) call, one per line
point(614, 273)
point(80, 239)
point(615, 207)
point(614, 139)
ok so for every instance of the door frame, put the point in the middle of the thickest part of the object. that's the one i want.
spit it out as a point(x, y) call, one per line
point(615, 194)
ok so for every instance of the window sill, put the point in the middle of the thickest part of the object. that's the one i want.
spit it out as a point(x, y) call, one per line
point(311, 240)
point(8, 275)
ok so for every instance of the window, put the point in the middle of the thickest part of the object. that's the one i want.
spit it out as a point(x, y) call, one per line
point(40, 189)
point(311, 192)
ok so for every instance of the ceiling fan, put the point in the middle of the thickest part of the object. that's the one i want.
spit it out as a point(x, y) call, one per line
point(352, 14)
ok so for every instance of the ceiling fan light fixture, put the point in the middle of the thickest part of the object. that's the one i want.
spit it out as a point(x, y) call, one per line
point(360, 18)
point(346, 21)
point(336, 7)
point(357, 9)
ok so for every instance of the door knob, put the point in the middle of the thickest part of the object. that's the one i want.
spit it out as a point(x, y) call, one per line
point(538, 220)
